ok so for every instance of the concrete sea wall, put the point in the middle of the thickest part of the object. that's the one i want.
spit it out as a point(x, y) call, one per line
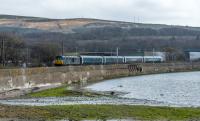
point(44, 76)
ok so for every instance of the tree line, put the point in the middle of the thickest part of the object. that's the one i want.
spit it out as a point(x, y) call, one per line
point(15, 51)
point(39, 48)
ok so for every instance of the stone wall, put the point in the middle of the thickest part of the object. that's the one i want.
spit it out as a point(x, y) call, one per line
point(37, 77)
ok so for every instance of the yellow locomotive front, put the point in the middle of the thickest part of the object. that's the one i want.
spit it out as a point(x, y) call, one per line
point(59, 61)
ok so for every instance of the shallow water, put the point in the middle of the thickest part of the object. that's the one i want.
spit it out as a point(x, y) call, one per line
point(181, 89)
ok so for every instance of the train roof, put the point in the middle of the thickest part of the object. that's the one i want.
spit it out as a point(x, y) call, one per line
point(113, 56)
point(133, 56)
point(153, 57)
point(84, 56)
point(71, 56)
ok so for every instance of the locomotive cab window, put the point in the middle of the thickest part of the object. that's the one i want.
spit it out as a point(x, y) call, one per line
point(59, 58)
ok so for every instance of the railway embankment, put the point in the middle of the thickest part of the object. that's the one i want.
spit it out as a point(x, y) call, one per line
point(22, 78)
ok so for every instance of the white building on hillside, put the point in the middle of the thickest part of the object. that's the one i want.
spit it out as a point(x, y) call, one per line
point(193, 55)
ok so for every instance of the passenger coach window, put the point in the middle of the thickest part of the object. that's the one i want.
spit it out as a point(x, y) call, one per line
point(73, 59)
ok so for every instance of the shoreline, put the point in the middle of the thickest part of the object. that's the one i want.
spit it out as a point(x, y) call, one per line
point(80, 95)
point(36, 77)
point(76, 86)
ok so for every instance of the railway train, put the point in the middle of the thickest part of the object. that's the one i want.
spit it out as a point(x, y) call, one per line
point(98, 60)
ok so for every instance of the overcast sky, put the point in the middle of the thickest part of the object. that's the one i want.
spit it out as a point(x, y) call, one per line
point(176, 12)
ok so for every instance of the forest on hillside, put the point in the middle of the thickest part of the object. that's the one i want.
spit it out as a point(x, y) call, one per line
point(40, 47)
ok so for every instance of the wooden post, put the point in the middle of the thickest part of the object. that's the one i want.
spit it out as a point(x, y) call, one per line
point(3, 51)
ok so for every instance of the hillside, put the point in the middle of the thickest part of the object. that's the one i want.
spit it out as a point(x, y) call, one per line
point(100, 35)
point(67, 25)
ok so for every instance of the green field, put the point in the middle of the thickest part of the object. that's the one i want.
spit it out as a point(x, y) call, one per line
point(103, 112)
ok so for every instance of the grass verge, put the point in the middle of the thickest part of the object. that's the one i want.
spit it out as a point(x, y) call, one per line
point(103, 112)
point(60, 92)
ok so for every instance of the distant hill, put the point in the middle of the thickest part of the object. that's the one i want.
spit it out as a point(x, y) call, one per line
point(100, 35)
point(68, 25)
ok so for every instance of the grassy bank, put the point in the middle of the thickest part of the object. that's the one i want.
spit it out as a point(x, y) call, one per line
point(60, 92)
point(80, 112)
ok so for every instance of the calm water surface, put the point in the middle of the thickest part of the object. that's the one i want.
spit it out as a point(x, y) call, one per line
point(173, 88)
